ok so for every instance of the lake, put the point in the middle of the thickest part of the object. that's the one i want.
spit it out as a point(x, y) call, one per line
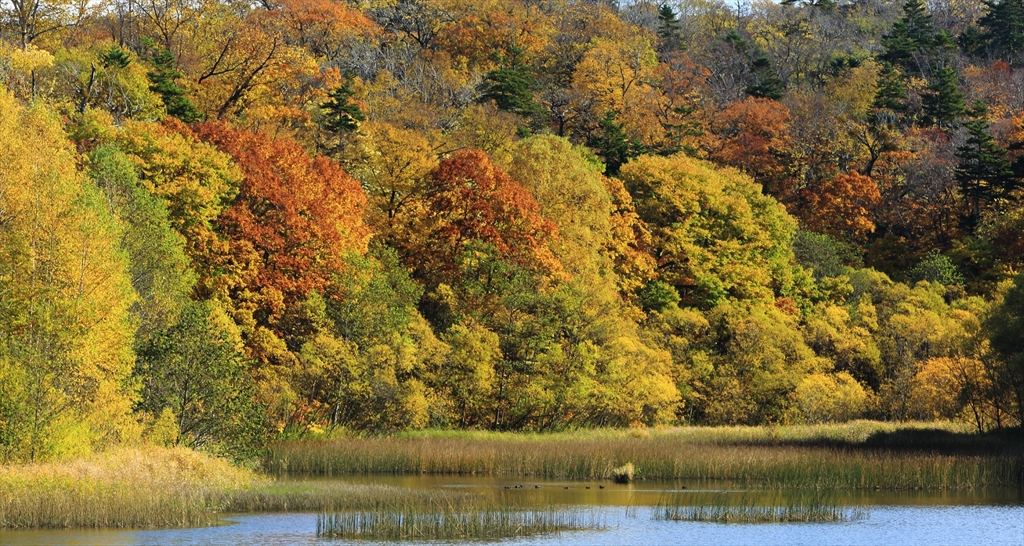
point(989, 516)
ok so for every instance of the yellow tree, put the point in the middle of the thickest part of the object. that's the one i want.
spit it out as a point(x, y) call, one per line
point(66, 360)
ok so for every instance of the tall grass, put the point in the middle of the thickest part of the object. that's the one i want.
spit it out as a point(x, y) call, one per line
point(832, 457)
point(131, 488)
point(479, 519)
point(749, 508)
point(334, 495)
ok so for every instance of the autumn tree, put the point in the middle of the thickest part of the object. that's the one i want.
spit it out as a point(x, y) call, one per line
point(716, 236)
point(66, 359)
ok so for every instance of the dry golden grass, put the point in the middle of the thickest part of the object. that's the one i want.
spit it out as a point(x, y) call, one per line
point(140, 487)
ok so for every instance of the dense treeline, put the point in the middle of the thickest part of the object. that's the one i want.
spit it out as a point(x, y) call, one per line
point(222, 221)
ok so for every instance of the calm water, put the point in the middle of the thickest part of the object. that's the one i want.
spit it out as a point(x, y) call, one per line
point(909, 517)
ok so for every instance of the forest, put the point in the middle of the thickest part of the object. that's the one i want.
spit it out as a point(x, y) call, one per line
point(226, 222)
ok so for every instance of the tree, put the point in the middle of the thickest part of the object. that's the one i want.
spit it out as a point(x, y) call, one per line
point(195, 369)
point(983, 171)
point(943, 103)
point(669, 32)
point(716, 236)
point(468, 201)
point(294, 219)
point(613, 145)
point(341, 114)
point(911, 36)
point(511, 88)
point(163, 80)
point(1004, 28)
point(66, 355)
point(1004, 325)
point(160, 270)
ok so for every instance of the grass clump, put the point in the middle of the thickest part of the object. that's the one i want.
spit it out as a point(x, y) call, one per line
point(746, 508)
point(624, 473)
point(128, 488)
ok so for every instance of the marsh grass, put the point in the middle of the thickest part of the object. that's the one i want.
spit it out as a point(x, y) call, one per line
point(848, 456)
point(748, 507)
point(329, 495)
point(481, 521)
point(130, 488)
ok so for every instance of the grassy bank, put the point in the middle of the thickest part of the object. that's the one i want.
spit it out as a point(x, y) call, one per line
point(129, 488)
point(855, 455)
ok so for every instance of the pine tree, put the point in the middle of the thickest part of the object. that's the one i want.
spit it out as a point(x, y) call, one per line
point(669, 31)
point(613, 145)
point(341, 114)
point(512, 90)
point(163, 81)
point(1004, 28)
point(912, 35)
point(766, 84)
point(943, 103)
point(983, 170)
point(892, 92)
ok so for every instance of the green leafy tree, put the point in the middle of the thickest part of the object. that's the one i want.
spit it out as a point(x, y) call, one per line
point(1004, 327)
point(195, 368)
point(160, 270)
point(936, 267)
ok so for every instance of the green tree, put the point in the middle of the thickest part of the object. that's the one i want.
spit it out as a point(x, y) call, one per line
point(163, 78)
point(1004, 28)
point(511, 87)
point(983, 171)
point(613, 144)
point(160, 271)
point(912, 36)
point(1004, 326)
point(195, 368)
point(943, 103)
point(341, 115)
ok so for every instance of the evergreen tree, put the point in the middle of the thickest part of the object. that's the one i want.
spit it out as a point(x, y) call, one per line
point(512, 90)
point(669, 31)
point(613, 145)
point(912, 35)
point(983, 170)
point(892, 92)
point(766, 84)
point(163, 81)
point(1004, 28)
point(341, 114)
point(943, 103)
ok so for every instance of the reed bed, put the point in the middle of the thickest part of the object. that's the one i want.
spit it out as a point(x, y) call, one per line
point(451, 523)
point(748, 508)
point(131, 488)
point(332, 495)
point(746, 455)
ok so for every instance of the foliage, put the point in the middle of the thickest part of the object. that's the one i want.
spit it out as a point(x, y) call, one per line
point(66, 356)
point(194, 368)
